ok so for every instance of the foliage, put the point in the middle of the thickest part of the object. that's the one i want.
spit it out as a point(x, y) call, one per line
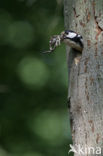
point(33, 86)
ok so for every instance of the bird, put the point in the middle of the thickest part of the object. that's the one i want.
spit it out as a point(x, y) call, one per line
point(73, 39)
point(69, 37)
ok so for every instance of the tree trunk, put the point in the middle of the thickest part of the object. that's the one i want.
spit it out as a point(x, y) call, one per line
point(86, 77)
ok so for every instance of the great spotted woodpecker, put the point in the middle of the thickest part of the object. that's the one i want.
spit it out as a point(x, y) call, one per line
point(71, 38)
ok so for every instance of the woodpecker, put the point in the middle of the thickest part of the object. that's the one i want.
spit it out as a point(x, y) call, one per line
point(73, 39)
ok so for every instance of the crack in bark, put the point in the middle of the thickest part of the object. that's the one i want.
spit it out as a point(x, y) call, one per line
point(98, 138)
point(88, 15)
point(85, 63)
point(98, 28)
point(89, 43)
point(71, 118)
point(75, 12)
point(82, 24)
point(86, 89)
point(91, 125)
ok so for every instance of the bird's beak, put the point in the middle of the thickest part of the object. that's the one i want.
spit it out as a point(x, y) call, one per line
point(63, 35)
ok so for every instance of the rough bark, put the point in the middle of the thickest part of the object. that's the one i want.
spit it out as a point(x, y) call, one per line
point(86, 79)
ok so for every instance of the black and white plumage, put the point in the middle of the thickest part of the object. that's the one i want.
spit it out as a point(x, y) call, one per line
point(73, 39)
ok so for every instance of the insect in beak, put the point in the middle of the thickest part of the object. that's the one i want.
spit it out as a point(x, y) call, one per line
point(54, 42)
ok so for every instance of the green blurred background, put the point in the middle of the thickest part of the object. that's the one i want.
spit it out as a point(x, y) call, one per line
point(34, 119)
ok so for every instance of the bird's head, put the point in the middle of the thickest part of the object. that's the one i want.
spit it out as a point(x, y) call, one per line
point(69, 34)
point(73, 39)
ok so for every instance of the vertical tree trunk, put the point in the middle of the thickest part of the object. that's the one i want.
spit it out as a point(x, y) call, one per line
point(86, 78)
